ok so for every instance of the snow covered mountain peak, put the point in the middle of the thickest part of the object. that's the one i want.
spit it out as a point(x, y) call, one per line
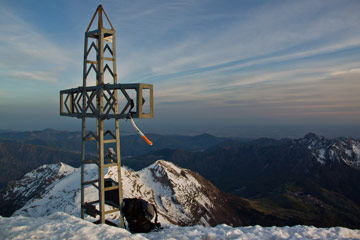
point(328, 151)
point(163, 167)
point(50, 170)
point(181, 196)
point(37, 180)
point(173, 176)
point(178, 192)
point(33, 184)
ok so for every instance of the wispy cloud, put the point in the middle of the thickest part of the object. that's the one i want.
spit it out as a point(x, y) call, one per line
point(34, 75)
point(287, 94)
point(27, 53)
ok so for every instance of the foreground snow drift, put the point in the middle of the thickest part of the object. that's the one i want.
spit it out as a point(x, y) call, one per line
point(63, 226)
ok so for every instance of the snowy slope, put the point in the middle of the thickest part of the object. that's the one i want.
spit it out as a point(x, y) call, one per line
point(181, 196)
point(64, 226)
point(33, 185)
point(62, 195)
point(35, 180)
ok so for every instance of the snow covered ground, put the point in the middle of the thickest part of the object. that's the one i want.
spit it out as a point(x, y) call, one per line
point(64, 226)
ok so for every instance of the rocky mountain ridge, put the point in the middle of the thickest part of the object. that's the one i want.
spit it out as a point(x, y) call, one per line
point(32, 186)
point(327, 151)
point(181, 196)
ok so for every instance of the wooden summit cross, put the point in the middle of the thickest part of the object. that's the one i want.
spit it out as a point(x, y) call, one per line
point(100, 102)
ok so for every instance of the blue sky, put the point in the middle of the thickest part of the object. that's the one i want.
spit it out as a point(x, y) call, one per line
point(241, 68)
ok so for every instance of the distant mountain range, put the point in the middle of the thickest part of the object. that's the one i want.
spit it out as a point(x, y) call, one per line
point(21, 152)
point(131, 145)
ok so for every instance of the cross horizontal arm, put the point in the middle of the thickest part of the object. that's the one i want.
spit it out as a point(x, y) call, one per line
point(72, 104)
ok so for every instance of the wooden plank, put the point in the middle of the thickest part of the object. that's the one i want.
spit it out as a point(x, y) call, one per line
point(110, 165)
point(72, 103)
point(92, 62)
point(61, 104)
point(90, 182)
point(151, 102)
point(139, 98)
point(111, 188)
point(90, 139)
point(100, 110)
point(117, 138)
point(108, 59)
point(90, 161)
point(112, 211)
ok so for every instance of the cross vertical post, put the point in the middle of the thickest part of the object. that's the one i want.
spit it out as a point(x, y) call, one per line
point(102, 103)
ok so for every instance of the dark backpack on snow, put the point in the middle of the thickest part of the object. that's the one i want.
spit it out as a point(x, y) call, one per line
point(138, 214)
